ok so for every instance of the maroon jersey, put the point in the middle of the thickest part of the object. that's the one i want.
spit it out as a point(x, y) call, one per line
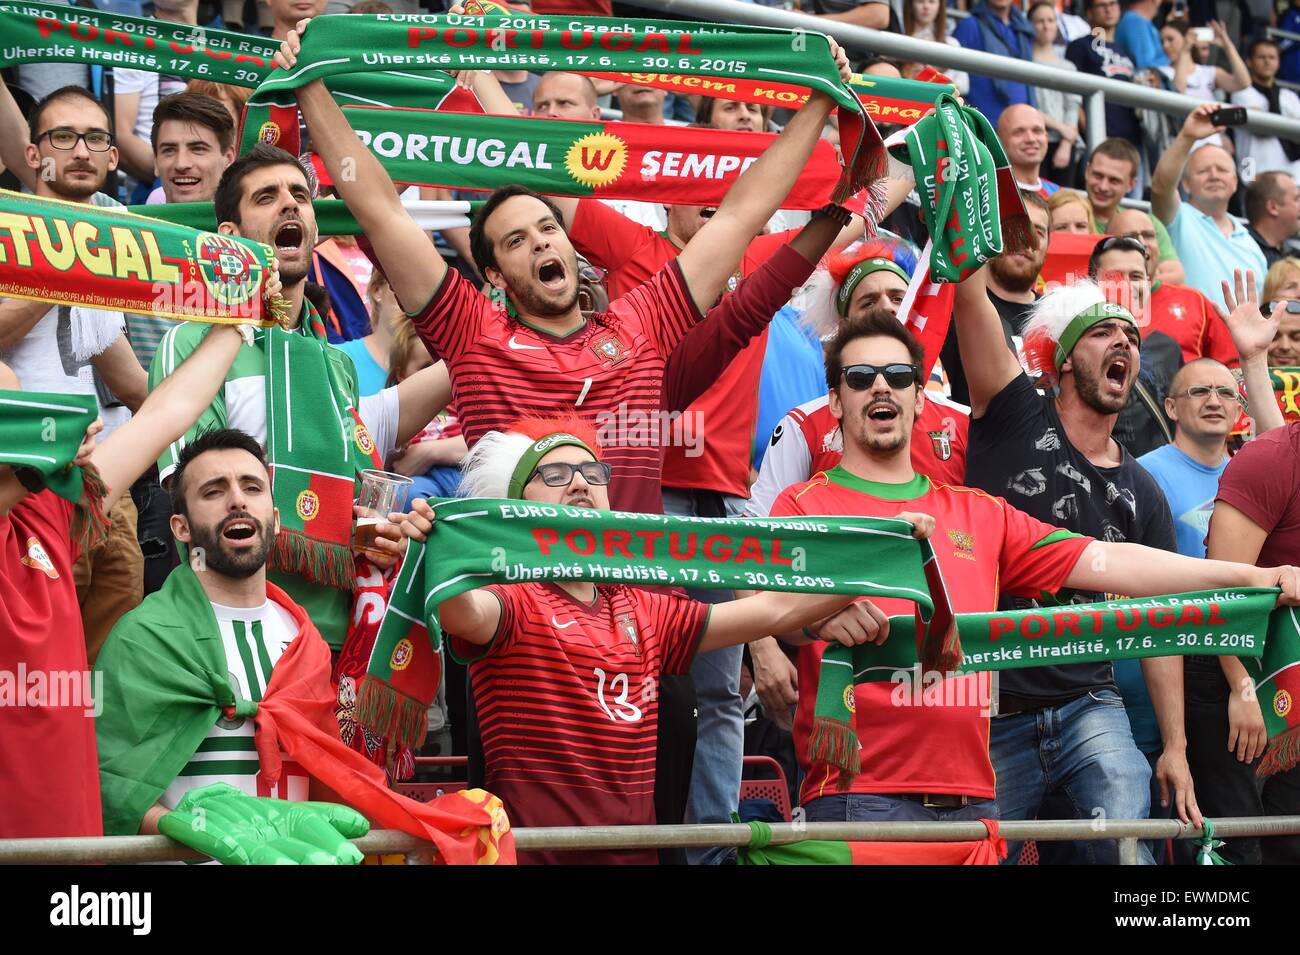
point(567, 703)
point(610, 371)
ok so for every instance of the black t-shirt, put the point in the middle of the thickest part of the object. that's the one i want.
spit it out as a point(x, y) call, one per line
point(1018, 450)
point(1013, 315)
point(1092, 55)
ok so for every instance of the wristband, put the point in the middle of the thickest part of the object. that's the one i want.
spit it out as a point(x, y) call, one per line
point(837, 212)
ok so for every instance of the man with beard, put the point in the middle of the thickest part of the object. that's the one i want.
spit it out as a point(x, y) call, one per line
point(223, 511)
point(932, 762)
point(1012, 288)
point(75, 350)
point(1210, 243)
point(1060, 739)
point(264, 195)
point(529, 349)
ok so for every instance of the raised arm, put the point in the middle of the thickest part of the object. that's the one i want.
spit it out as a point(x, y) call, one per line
point(1252, 333)
point(711, 257)
point(1236, 78)
point(989, 364)
point(421, 397)
point(1169, 171)
point(408, 257)
point(165, 415)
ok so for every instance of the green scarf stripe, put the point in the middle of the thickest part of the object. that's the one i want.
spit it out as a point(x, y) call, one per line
point(332, 215)
point(40, 435)
point(1242, 623)
point(969, 201)
point(337, 45)
point(479, 542)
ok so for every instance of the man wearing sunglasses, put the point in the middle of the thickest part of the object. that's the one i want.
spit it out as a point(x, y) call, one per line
point(931, 761)
point(566, 676)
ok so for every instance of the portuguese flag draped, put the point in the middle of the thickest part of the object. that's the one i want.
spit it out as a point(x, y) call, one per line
point(165, 685)
point(74, 254)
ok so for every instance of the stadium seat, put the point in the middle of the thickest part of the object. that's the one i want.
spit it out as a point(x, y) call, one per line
point(426, 791)
point(767, 787)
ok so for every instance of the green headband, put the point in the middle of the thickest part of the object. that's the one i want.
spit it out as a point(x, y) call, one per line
point(538, 450)
point(1090, 316)
point(860, 272)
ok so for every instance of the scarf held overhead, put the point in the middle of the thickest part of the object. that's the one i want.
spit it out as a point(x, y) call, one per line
point(969, 200)
point(165, 685)
point(348, 44)
point(70, 253)
point(1241, 623)
point(479, 542)
point(665, 164)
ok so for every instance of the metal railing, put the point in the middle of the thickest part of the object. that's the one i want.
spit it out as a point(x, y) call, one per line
point(1126, 832)
point(1096, 90)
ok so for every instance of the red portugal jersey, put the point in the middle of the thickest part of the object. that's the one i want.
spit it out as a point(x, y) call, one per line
point(726, 415)
point(568, 706)
point(610, 371)
point(914, 739)
point(48, 759)
point(809, 440)
point(1187, 316)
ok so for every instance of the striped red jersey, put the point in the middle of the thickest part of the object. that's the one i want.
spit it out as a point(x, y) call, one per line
point(567, 703)
point(610, 371)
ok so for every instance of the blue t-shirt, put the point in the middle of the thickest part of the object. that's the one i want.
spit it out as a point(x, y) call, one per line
point(1208, 256)
point(371, 377)
point(1190, 488)
point(1138, 37)
point(793, 372)
point(988, 95)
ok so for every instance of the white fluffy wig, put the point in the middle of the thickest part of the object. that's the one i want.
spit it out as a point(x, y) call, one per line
point(487, 468)
point(1048, 319)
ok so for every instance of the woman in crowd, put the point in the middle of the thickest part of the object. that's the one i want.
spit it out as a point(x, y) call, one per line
point(1282, 293)
point(1071, 212)
point(928, 20)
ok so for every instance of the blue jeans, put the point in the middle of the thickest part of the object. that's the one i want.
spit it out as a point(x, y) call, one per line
point(720, 736)
point(1078, 759)
point(868, 807)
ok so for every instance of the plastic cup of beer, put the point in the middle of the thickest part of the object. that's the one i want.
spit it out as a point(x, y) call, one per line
point(382, 492)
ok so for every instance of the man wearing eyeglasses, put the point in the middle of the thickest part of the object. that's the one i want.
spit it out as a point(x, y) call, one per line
point(75, 350)
point(1184, 314)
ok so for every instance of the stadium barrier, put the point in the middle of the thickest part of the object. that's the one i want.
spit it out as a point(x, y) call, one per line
point(1096, 90)
point(1126, 832)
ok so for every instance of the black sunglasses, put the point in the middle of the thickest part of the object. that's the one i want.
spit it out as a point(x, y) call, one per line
point(1289, 305)
point(559, 474)
point(897, 375)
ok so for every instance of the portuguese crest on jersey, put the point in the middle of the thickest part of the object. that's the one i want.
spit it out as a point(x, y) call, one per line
point(626, 625)
point(609, 348)
point(37, 557)
point(942, 444)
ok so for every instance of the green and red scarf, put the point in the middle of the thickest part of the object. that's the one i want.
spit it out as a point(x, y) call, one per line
point(990, 850)
point(316, 448)
point(358, 44)
point(970, 203)
point(70, 253)
point(40, 435)
point(165, 685)
point(478, 542)
point(573, 158)
point(1242, 623)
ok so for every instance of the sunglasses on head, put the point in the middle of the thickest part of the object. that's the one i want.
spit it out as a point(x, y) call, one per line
point(559, 474)
point(897, 375)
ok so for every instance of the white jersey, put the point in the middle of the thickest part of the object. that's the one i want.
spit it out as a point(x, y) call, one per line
point(254, 638)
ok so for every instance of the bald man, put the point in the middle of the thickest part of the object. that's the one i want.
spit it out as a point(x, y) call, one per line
point(1024, 137)
point(1182, 313)
point(1210, 243)
point(565, 96)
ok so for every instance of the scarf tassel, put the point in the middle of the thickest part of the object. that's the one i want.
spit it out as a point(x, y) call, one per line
point(834, 743)
point(1017, 228)
point(392, 714)
point(320, 562)
point(1283, 753)
point(89, 522)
